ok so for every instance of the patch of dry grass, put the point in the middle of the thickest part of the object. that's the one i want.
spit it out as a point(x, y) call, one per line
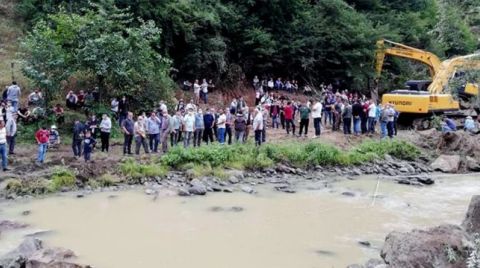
point(11, 30)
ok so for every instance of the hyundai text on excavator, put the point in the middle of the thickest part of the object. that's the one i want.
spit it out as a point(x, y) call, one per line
point(424, 98)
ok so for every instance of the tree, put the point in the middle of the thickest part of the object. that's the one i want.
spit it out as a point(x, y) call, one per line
point(100, 44)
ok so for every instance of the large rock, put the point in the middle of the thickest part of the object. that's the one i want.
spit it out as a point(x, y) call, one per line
point(197, 187)
point(18, 257)
point(11, 225)
point(427, 249)
point(472, 164)
point(446, 163)
point(53, 258)
point(471, 223)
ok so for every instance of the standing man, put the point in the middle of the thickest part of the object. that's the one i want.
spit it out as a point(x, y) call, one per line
point(317, 117)
point(78, 129)
point(391, 121)
point(228, 127)
point(13, 95)
point(240, 128)
point(153, 129)
point(122, 110)
point(176, 123)
point(258, 126)
point(42, 137)
point(189, 127)
point(357, 111)
point(204, 87)
point(3, 145)
point(165, 129)
point(11, 133)
point(140, 135)
point(289, 118)
point(221, 125)
point(347, 119)
point(372, 115)
point(128, 131)
point(199, 126)
point(105, 128)
point(304, 119)
point(208, 122)
point(383, 120)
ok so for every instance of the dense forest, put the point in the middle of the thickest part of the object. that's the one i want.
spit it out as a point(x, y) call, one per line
point(313, 41)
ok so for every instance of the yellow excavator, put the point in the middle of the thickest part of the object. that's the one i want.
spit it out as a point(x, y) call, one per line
point(423, 98)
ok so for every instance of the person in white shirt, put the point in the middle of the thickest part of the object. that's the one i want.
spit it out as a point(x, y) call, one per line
point(10, 111)
point(317, 117)
point(11, 127)
point(105, 128)
point(114, 106)
point(35, 98)
point(3, 144)
point(191, 106)
point(188, 128)
point(270, 85)
point(221, 126)
point(257, 126)
point(204, 88)
point(163, 106)
point(372, 116)
point(196, 91)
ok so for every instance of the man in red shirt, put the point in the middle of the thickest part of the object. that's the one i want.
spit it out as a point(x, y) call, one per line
point(42, 136)
point(288, 110)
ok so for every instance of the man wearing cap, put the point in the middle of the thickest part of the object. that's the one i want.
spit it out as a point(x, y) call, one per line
point(3, 145)
point(54, 137)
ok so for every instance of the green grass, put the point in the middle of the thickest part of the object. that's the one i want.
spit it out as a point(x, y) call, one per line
point(135, 171)
point(62, 178)
point(205, 159)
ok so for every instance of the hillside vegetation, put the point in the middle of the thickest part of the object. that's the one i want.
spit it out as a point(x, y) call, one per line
point(313, 41)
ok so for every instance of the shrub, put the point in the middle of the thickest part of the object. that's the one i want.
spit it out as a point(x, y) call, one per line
point(62, 178)
point(135, 170)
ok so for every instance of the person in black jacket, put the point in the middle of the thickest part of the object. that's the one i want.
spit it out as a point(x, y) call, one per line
point(122, 109)
point(78, 130)
point(357, 111)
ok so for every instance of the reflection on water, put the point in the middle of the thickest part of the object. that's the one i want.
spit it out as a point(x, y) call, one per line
point(313, 228)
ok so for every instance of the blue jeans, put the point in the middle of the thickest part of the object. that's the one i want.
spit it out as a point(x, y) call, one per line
point(328, 117)
point(275, 121)
point(3, 155)
point(221, 135)
point(15, 105)
point(383, 128)
point(390, 129)
point(154, 140)
point(356, 125)
point(42, 151)
point(371, 124)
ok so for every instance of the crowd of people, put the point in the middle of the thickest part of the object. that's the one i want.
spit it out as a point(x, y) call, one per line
point(196, 124)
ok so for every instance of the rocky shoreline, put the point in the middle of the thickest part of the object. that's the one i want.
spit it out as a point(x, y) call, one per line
point(282, 177)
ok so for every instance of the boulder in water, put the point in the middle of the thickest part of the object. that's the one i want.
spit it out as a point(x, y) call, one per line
point(197, 188)
point(427, 249)
point(53, 257)
point(446, 163)
point(471, 223)
point(18, 257)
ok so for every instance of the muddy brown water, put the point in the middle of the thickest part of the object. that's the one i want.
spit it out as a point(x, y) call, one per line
point(313, 228)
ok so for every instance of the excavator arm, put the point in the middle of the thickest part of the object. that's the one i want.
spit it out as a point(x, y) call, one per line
point(448, 69)
point(403, 51)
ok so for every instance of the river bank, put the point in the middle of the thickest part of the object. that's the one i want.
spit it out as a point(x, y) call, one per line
point(215, 168)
